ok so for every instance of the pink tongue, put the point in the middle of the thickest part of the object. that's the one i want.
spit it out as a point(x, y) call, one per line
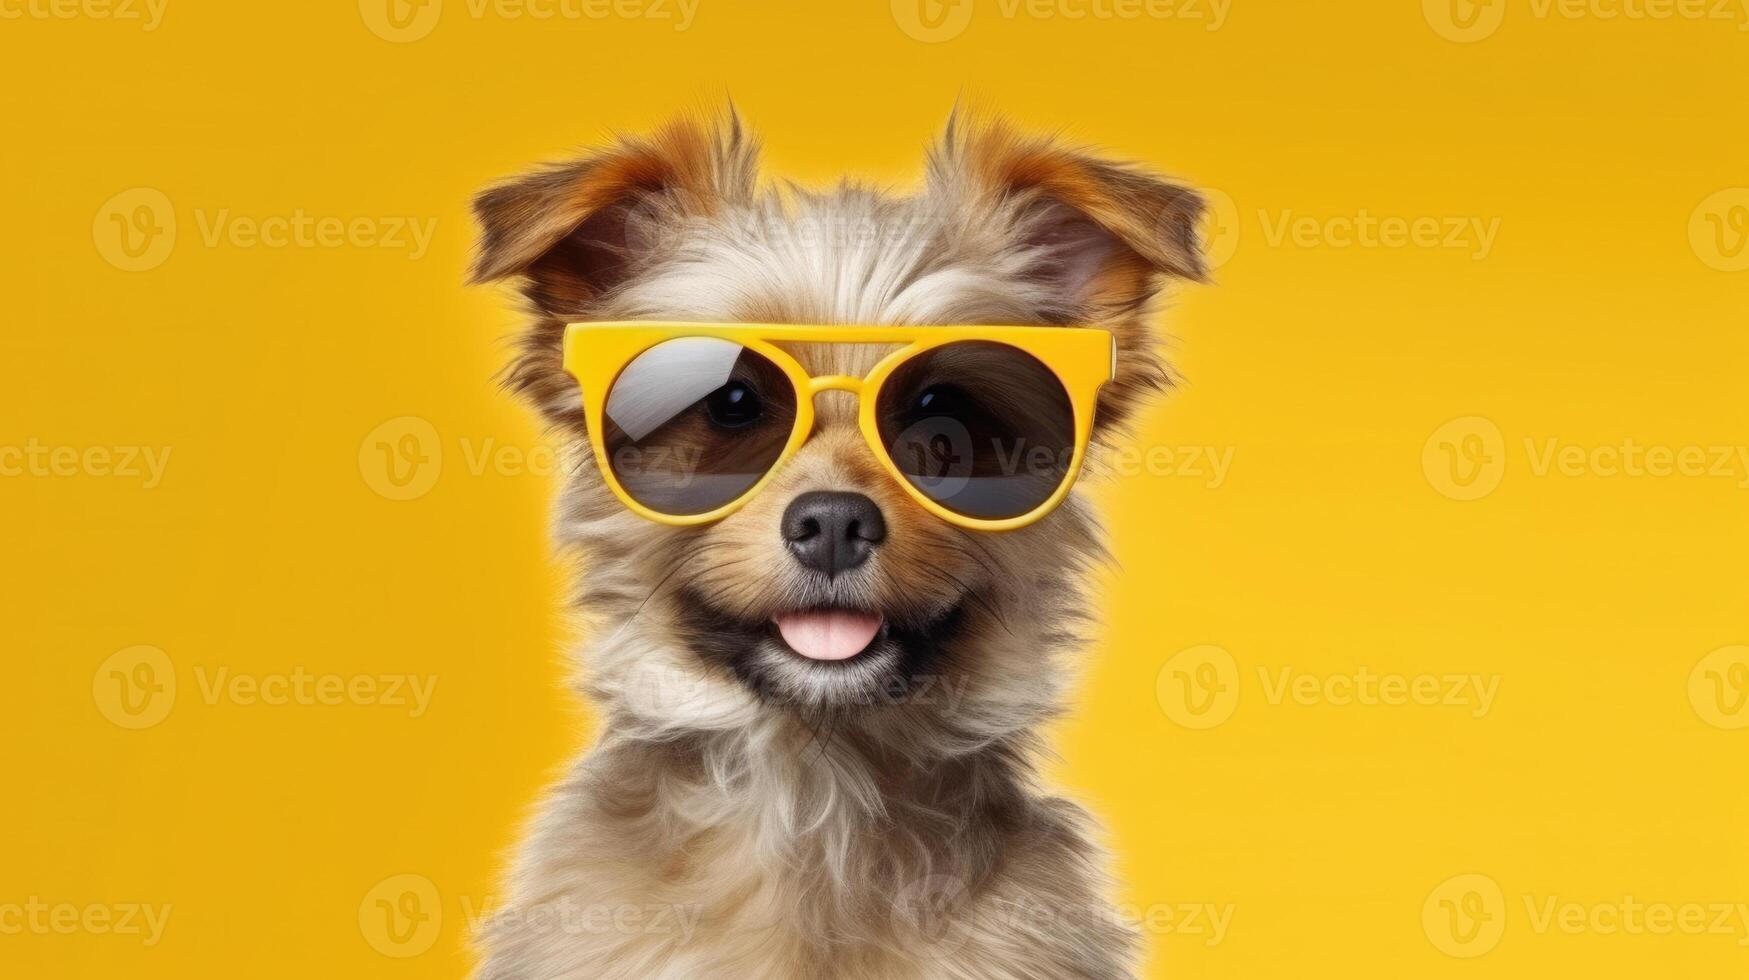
point(834, 635)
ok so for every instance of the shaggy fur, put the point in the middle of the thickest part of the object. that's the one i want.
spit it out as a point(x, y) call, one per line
point(744, 813)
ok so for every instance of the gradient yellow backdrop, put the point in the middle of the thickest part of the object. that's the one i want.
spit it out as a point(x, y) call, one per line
point(1427, 657)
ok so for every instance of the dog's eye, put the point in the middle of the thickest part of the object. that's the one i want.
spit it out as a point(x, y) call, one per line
point(940, 399)
point(733, 406)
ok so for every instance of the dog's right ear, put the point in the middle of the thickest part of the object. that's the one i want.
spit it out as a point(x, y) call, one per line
point(571, 233)
point(570, 230)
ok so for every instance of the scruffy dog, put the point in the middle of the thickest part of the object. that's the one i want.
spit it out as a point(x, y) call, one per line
point(817, 738)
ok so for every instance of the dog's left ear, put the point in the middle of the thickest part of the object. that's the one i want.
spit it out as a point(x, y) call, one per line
point(1101, 239)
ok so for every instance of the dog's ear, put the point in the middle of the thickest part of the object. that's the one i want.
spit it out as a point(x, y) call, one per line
point(569, 234)
point(1102, 238)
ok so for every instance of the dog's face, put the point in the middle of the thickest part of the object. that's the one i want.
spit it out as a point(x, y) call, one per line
point(832, 594)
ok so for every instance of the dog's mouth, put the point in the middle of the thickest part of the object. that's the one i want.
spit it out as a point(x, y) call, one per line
point(829, 635)
point(824, 654)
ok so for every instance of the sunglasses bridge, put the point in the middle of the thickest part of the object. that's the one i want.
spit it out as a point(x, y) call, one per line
point(835, 382)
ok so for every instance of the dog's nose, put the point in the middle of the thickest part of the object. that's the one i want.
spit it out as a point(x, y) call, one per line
point(833, 532)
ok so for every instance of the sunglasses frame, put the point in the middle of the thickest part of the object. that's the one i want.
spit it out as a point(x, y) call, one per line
point(1083, 359)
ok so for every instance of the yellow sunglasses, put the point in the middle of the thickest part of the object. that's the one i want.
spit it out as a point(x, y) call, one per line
point(985, 426)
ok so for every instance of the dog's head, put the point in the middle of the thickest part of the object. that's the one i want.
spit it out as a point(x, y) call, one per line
point(832, 594)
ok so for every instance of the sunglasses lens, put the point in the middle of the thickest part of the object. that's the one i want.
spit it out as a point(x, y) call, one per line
point(693, 423)
point(984, 429)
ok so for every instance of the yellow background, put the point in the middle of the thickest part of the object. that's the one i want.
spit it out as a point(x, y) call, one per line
point(1333, 544)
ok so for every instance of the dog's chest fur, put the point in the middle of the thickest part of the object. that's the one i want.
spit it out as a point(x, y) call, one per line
point(675, 860)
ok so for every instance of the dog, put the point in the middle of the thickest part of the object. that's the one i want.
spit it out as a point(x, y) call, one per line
point(820, 761)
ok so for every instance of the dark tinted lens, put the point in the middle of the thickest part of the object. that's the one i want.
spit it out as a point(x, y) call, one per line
point(693, 423)
point(984, 429)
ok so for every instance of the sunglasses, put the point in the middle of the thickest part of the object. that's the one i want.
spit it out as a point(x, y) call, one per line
point(986, 427)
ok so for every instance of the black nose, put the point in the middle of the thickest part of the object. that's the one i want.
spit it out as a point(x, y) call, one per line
point(833, 532)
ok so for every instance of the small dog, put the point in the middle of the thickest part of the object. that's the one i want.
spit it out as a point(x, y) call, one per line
point(819, 706)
